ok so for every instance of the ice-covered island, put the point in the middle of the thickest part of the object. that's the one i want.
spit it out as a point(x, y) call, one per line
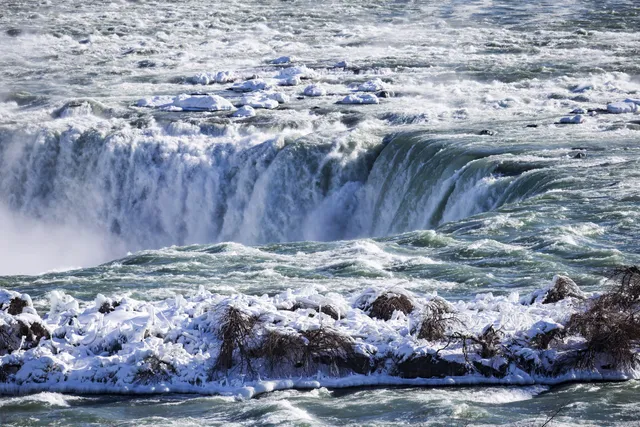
point(245, 345)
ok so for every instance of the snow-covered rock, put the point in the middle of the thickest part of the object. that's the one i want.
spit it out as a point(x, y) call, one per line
point(360, 99)
point(314, 90)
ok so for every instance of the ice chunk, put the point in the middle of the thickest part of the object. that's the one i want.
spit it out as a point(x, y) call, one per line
point(341, 64)
point(622, 107)
point(371, 86)
point(202, 79)
point(282, 98)
point(282, 60)
point(291, 81)
point(314, 90)
point(260, 100)
point(156, 101)
point(301, 71)
point(245, 111)
point(252, 85)
point(225, 76)
point(575, 120)
point(633, 100)
point(201, 103)
point(360, 99)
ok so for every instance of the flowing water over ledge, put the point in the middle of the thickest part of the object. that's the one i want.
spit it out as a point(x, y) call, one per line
point(458, 181)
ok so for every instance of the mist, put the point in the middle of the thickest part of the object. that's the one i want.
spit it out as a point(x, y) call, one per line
point(30, 246)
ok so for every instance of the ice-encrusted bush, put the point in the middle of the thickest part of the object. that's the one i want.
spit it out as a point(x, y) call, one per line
point(153, 370)
point(236, 335)
point(437, 318)
point(610, 324)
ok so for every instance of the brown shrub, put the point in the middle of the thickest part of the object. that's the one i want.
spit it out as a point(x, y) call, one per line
point(281, 350)
point(386, 304)
point(16, 306)
point(543, 341)
point(308, 349)
point(610, 324)
point(235, 332)
point(437, 318)
point(486, 344)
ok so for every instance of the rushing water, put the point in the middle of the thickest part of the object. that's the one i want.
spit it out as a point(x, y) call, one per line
point(460, 183)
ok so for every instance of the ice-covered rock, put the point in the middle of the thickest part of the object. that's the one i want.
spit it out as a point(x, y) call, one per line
point(282, 60)
point(374, 85)
point(245, 111)
point(252, 85)
point(290, 81)
point(314, 90)
point(574, 120)
point(360, 99)
point(202, 103)
point(578, 111)
point(622, 107)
